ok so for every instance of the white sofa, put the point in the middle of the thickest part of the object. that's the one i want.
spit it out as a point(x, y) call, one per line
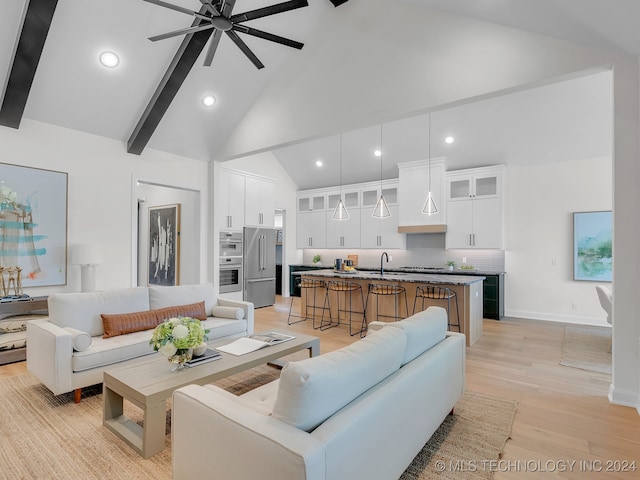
point(360, 412)
point(67, 351)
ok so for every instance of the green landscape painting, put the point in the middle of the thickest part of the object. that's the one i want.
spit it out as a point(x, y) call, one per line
point(592, 246)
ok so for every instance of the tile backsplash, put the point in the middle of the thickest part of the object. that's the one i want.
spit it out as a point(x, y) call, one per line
point(423, 250)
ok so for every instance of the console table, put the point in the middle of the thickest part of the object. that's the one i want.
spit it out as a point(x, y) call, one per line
point(22, 307)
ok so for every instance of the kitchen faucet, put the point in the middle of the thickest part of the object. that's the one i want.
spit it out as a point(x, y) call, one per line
point(381, 258)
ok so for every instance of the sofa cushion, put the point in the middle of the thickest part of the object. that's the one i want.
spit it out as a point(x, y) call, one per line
point(124, 323)
point(228, 312)
point(80, 340)
point(312, 390)
point(424, 330)
point(82, 310)
point(161, 296)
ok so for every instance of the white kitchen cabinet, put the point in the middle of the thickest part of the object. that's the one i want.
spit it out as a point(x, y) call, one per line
point(475, 208)
point(259, 207)
point(230, 200)
point(381, 232)
point(312, 202)
point(413, 188)
point(344, 233)
point(311, 231)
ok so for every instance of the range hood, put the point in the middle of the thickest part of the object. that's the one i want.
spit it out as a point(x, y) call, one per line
point(440, 228)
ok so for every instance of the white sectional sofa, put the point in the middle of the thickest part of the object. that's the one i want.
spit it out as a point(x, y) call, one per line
point(360, 412)
point(69, 351)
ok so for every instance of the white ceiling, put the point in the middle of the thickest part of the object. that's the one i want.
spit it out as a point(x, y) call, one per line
point(72, 90)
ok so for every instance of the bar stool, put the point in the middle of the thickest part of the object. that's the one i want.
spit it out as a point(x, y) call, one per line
point(386, 289)
point(308, 286)
point(347, 290)
point(433, 292)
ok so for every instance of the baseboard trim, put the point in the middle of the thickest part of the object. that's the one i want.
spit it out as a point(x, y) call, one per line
point(626, 398)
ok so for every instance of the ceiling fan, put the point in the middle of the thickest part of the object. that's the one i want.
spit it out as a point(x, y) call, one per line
point(216, 15)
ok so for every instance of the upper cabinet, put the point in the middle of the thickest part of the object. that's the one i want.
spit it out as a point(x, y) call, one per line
point(259, 208)
point(413, 185)
point(316, 227)
point(475, 208)
point(244, 199)
point(230, 199)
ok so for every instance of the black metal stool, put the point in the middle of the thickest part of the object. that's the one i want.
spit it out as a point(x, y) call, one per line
point(347, 290)
point(306, 286)
point(433, 292)
point(386, 289)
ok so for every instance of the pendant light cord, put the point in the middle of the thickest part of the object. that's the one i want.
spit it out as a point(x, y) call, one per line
point(429, 149)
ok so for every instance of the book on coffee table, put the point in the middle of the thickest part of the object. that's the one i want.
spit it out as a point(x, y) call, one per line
point(208, 356)
point(255, 342)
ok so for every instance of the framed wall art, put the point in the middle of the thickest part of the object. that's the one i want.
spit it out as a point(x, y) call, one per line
point(592, 246)
point(164, 245)
point(33, 224)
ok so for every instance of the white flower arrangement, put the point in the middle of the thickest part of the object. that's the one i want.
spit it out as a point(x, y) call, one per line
point(176, 335)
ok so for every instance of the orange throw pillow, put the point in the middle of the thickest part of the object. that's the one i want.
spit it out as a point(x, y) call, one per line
point(123, 323)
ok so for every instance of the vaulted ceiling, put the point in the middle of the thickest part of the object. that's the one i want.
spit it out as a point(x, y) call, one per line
point(71, 89)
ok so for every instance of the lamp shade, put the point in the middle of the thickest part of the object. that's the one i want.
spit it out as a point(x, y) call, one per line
point(85, 255)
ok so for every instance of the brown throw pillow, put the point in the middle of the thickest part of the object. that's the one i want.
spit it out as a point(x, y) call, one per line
point(123, 323)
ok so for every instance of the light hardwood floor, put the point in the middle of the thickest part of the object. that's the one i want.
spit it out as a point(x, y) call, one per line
point(563, 413)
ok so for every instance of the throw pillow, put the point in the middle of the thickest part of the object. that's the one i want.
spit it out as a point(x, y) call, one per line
point(80, 340)
point(312, 390)
point(123, 323)
point(228, 312)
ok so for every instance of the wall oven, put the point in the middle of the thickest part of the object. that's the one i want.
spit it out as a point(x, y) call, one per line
point(231, 244)
point(230, 277)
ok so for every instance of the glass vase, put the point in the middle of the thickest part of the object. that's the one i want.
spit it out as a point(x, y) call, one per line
point(181, 356)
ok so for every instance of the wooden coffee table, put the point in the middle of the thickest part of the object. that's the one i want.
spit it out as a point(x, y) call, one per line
point(149, 383)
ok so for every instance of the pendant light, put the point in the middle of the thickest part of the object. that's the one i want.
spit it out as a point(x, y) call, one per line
point(381, 210)
point(429, 207)
point(341, 212)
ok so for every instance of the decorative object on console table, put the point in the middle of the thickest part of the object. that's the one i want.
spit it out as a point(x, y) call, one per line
point(33, 223)
point(164, 245)
point(87, 256)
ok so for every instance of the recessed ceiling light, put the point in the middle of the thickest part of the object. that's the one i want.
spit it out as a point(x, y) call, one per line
point(449, 140)
point(377, 153)
point(209, 100)
point(109, 59)
point(318, 163)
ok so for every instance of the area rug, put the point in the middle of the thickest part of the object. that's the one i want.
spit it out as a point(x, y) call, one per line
point(50, 437)
point(587, 348)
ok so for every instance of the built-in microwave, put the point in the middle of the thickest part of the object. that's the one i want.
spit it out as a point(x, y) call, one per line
point(231, 244)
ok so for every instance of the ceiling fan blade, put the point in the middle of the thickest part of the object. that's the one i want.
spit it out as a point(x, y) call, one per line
point(210, 7)
point(268, 36)
point(227, 7)
point(182, 31)
point(213, 46)
point(177, 8)
point(245, 49)
point(271, 10)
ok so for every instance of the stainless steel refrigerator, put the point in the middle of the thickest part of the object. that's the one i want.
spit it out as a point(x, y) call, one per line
point(259, 261)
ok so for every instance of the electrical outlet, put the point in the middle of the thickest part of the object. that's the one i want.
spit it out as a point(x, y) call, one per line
point(390, 258)
point(554, 262)
point(574, 306)
point(464, 259)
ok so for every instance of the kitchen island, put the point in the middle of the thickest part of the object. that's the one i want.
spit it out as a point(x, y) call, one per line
point(467, 287)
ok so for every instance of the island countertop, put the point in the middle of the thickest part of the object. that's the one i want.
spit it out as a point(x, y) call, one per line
point(444, 279)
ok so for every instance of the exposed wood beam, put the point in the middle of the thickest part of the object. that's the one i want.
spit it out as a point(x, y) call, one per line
point(33, 35)
point(180, 66)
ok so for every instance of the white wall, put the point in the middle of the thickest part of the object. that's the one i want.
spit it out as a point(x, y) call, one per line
point(540, 202)
point(101, 196)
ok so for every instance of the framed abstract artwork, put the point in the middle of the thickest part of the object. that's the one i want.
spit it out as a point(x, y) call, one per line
point(164, 245)
point(592, 246)
point(33, 224)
